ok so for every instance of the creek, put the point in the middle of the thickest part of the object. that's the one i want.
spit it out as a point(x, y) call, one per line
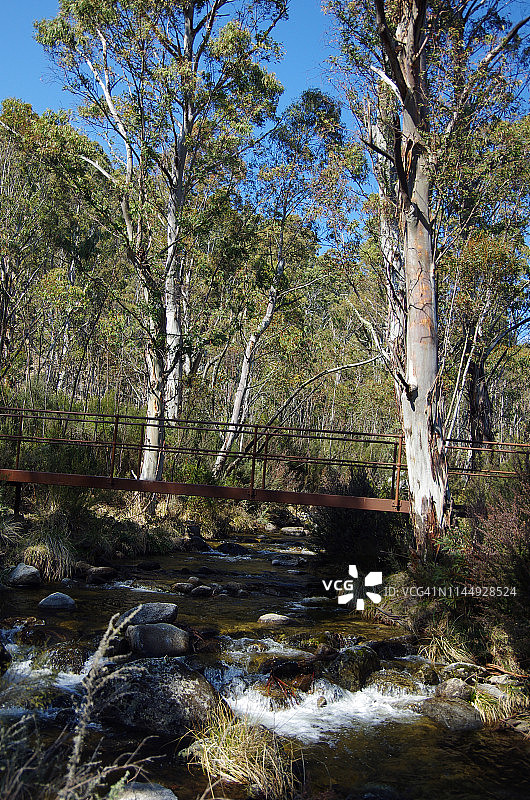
point(364, 744)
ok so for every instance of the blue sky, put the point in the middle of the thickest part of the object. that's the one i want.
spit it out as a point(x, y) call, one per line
point(25, 72)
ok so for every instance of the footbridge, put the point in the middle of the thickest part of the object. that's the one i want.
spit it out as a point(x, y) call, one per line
point(268, 464)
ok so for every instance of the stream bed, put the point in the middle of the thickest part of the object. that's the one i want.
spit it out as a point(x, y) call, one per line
point(362, 744)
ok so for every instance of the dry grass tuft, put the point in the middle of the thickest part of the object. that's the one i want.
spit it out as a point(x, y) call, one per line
point(445, 642)
point(232, 749)
point(492, 709)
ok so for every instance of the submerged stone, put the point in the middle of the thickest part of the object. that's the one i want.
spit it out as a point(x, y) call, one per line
point(58, 602)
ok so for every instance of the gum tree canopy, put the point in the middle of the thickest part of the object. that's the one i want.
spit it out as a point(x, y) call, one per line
point(177, 90)
point(418, 75)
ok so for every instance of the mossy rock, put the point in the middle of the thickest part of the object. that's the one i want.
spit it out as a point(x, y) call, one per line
point(351, 668)
point(392, 681)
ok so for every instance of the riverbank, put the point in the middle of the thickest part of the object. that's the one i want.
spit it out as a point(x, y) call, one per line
point(313, 681)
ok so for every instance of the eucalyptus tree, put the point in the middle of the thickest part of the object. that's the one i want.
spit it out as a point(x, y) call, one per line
point(295, 153)
point(416, 75)
point(175, 90)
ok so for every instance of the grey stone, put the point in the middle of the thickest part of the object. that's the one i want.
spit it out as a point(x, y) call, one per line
point(352, 667)
point(390, 681)
point(159, 639)
point(193, 580)
point(202, 591)
point(454, 687)
point(455, 714)
point(464, 670)
point(58, 601)
point(275, 620)
point(491, 691)
point(149, 614)
point(232, 587)
point(183, 588)
point(293, 530)
point(159, 696)
point(145, 791)
point(24, 575)
point(270, 528)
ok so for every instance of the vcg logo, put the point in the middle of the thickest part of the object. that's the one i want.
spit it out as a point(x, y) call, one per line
point(352, 587)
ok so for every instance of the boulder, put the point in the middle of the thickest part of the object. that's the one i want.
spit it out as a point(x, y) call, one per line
point(198, 544)
point(149, 614)
point(159, 639)
point(351, 668)
point(454, 714)
point(193, 580)
point(275, 620)
point(453, 687)
point(144, 791)
point(24, 575)
point(392, 681)
point(293, 530)
point(233, 549)
point(159, 696)
point(270, 527)
point(99, 575)
point(57, 602)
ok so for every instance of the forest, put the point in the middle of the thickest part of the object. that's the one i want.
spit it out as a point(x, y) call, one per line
point(189, 251)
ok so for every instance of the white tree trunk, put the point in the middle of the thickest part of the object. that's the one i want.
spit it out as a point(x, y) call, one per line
point(241, 405)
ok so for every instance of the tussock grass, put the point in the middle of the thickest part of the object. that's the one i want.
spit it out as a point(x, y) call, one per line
point(492, 709)
point(445, 642)
point(232, 749)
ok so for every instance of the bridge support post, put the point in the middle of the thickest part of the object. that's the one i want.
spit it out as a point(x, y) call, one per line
point(397, 502)
point(17, 503)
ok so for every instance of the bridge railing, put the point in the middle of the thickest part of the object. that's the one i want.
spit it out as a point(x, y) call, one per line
point(262, 457)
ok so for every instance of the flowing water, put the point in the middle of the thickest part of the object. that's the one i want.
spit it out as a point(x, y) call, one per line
point(365, 744)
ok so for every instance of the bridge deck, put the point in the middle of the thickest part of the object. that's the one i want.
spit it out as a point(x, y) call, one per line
point(102, 451)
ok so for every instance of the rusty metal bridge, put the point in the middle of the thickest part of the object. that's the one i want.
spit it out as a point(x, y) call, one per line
point(266, 464)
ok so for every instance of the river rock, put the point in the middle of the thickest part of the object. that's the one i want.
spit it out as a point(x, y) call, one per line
point(198, 544)
point(455, 714)
point(99, 575)
point(454, 687)
point(463, 670)
point(232, 587)
point(159, 696)
point(81, 569)
point(270, 527)
point(193, 580)
point(492, 691)
point(390, 681)
point(396, 647)
point(58, 602)
point(24, 575)
point(352, 667)
point(182, 588)
point(149, 614)
point(144, 791)
point(159, 639)
point(293, 530)
point(275, 620)
point(202, 591)
point(233, 549)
